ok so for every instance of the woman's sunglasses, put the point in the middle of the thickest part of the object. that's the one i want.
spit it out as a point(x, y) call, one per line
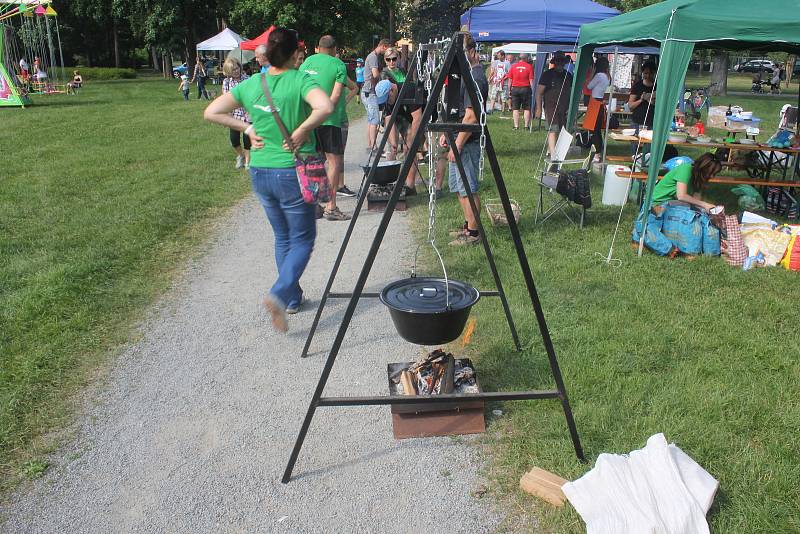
point(391, 59)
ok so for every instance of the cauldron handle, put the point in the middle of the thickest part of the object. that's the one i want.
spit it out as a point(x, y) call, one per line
point(444, 270)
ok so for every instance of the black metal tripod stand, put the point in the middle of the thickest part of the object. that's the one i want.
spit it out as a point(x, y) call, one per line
point(455, 67)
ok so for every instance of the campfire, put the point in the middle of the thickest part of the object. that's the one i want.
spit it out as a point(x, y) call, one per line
point(435, 373)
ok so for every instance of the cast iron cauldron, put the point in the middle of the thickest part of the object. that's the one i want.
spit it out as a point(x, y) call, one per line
point(386, 173)
point(429, 311)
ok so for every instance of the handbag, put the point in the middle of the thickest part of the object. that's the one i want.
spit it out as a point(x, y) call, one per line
point(311, 173)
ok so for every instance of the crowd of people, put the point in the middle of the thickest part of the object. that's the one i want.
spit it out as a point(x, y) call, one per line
point(295, 107)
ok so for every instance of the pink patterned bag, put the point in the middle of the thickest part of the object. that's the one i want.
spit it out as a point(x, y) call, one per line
point(734, 250)
point(311, 173)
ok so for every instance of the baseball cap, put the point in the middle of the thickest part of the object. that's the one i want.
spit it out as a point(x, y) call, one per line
point(382, 89)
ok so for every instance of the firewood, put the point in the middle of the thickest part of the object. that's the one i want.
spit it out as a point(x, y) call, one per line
point(544, 485)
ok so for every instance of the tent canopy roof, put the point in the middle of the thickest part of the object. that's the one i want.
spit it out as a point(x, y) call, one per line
point(726, 24)
point(227, 39)
point(532, 21)
point(254, 42)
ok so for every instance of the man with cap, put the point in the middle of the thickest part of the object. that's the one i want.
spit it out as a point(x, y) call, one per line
point(521, 75)
point(553, 92)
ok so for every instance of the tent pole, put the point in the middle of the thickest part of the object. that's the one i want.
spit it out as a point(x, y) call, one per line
point(50, 42)
point(60, 51)
point(608, 111)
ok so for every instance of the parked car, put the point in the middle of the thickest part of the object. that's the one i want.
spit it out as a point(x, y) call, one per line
point(755, 65)
point(179, 70)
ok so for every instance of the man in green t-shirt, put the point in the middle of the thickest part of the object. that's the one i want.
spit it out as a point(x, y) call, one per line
point(331, 75)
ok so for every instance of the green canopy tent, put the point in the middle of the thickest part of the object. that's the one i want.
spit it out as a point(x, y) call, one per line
point(678, 27)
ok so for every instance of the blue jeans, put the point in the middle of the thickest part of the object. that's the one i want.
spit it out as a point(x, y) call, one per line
point(294, 224)
point(470, 157)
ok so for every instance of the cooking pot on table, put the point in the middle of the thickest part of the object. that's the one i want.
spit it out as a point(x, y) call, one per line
point(429, 311)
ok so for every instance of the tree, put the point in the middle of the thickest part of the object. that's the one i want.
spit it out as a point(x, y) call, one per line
point(352, 22)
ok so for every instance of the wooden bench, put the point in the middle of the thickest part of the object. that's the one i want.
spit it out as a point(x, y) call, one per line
point(719, 180)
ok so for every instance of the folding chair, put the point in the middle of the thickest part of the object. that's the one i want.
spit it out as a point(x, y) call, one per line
point(548, 180)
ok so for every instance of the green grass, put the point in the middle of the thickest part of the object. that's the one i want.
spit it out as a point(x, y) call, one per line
point(102, 195)
point(698, 350)
point(738, 82)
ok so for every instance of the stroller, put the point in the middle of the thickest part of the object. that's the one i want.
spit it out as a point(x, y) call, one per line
point(758, 85)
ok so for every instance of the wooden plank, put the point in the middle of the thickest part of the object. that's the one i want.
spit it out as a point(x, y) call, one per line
point(719, 180)
point(543, 484)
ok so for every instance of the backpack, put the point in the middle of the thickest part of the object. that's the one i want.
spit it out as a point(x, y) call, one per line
point(574, 185)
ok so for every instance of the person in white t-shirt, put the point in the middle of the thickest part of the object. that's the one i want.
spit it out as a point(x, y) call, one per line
point(598, 86)
point(498, 82)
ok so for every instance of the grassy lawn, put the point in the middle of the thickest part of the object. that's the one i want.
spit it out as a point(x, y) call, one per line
point(698, 350)
point(739, 82)
point(102, 195)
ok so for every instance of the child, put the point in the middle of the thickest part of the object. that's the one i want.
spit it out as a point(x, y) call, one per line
point(184, 86)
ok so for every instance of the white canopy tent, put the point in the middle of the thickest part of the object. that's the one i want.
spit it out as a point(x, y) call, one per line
point(225, 40)
point(516, 48)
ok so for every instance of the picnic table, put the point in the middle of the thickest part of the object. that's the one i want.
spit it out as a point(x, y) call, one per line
point(769, 158)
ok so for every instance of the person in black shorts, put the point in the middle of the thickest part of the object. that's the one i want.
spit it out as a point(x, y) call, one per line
point(521, 75)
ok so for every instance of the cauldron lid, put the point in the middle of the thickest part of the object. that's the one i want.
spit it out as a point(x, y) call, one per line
point(427, 295)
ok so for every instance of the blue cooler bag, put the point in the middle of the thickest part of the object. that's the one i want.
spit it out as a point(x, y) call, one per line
point(682, 226)
point(711, 238)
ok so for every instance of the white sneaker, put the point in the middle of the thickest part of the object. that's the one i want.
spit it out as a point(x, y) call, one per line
point(240, 162)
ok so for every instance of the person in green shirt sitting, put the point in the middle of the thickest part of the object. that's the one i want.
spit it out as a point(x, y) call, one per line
point(685, 182)
point(302, 106)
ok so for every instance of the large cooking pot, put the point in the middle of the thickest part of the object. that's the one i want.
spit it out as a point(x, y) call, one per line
point(386, 173)
point(429, 311)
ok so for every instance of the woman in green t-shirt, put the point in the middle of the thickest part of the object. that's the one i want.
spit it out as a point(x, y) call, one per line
point(685, 182)
point(302, 107)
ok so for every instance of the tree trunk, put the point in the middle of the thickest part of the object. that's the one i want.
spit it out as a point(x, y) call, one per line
point(154, 57)
point(719, 73)
point(391, 24)
point(116, 44)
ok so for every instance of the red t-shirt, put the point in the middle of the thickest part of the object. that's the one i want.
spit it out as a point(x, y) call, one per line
point(521, 74)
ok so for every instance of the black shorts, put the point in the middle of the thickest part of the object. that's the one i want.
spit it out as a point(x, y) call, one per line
point(236, 139)
point(521, 98)
point(330, 140)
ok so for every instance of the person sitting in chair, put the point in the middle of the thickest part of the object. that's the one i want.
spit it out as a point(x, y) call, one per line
point(75, 84)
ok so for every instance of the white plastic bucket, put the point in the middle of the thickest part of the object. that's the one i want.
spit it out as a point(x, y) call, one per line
point(615, 188)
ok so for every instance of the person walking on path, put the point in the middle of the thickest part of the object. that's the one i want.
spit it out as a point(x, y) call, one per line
point(200, 75)
point(468, 145)
point(303, 107)
point(359, 73)
point(521, 75)
point(553, 93)
point(330, 73)
point(372, 74)
point(234, 75)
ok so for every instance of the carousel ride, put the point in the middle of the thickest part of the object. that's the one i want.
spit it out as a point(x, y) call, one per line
point(31, 58)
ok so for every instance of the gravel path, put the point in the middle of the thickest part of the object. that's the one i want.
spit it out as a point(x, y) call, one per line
point(195, 425)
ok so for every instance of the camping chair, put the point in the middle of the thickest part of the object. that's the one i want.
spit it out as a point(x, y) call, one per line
point(548, 180)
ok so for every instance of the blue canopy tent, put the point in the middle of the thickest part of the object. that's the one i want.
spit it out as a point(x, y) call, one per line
point(554, 23)
point(532, 21)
